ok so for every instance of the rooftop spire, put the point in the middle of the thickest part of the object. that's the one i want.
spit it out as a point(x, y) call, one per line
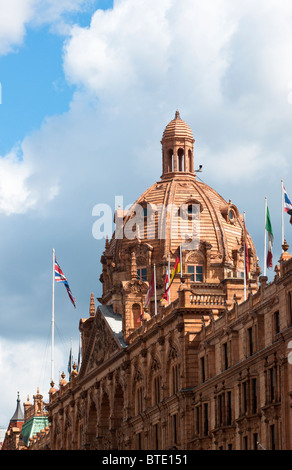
point(18, 415)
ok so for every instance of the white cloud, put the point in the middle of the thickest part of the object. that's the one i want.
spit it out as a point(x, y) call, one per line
point(13, 17)
point(16, 15)
point(241, 163)
point(15, 197)
point(122, 47)
point(225, 66)
point(20, 361)
point(150, 45)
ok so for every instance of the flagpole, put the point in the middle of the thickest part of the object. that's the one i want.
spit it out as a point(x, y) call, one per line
point(53, 318)
point(244, 277)
point(79, 353)
point(155, 297)
point(168, 278)
point(70, 362)
point(265, 243)
point(282, 211)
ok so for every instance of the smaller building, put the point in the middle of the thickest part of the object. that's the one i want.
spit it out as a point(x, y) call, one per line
point(12, 436)
point(30, 428)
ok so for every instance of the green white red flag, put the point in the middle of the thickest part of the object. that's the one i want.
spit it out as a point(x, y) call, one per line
point(270, 240)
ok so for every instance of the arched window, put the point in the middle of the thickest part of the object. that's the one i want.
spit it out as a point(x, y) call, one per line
point(156, 389)
point(180, 154)
point(191, 166)
point(139, 400)
point(169, 160)
point(91, 426)
point(136, 313)
point(174, 378)
point(104, 417)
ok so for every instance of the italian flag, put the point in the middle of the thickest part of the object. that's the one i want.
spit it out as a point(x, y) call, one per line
point(270, 239)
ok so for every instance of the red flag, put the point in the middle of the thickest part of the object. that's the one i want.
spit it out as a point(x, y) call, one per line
point(150, 291)
point(166, 294)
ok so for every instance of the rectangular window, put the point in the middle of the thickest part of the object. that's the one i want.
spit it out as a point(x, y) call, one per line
point(254, 396)
point(206, 419)
point(229, 408)
point(250, 341)
point(139, 441)
point(140, 400)
point(156, 436)
point(202, 360)
point(273, 437)
point(174, 379)
point(277, 322)
point(244, 397)
point(255, 441)
point(174, 426)
point(156, 390)
point(290, 307)
point(198, 420)
point(245, 443)
point(272, 384)
point(196, 272)
point(220, 410)
point(142, 274)
point(225, 356)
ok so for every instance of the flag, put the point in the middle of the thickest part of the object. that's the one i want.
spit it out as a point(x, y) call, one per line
point(175, 270)
point(70, 363)
point(150, 292)
point(79, 355)
point(246, 258)
point(60, 277)
point(270, 239)
point(287, 204)
point(167, 279)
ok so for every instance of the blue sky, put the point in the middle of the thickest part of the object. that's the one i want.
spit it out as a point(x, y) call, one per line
point(87, 90)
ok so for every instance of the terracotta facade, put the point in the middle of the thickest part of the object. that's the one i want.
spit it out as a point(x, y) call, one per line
point(211, 369)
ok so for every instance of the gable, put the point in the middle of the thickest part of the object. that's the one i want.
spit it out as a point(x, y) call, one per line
point(105, 341)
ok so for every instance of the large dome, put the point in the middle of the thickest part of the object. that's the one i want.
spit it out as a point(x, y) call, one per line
point(221, 228)
point(156, 238)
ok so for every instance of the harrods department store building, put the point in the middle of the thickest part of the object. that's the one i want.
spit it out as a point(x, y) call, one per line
point(210, 370)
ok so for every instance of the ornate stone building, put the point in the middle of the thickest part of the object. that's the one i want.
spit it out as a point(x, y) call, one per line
point(209, 369)
point(28, 429)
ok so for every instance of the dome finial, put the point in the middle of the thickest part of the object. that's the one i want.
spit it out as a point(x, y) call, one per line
point(177, 116)
point(92, 305)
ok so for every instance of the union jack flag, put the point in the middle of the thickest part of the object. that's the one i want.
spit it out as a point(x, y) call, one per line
point(60, 277)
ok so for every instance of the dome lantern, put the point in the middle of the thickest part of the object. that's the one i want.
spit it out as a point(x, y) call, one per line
point(177, 148)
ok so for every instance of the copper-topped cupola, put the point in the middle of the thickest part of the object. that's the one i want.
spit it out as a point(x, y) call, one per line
point(177, 148)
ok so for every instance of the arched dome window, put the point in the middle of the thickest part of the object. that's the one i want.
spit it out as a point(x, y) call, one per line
point(180, 155)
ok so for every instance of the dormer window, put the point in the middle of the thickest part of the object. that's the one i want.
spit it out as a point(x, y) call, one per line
point(142, 273)
point(196, 271)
